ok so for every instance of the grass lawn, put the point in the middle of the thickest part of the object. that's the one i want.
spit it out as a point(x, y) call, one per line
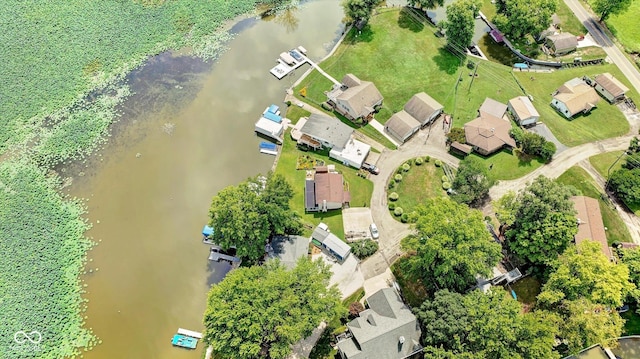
point(632, 321)
point(417, 185)
point(625, 27)
point(294, 113)
point(616, 229)
point(507, 166)
point(604, 121)
point(360, 188)
point(413, 291)
point(378, 55)
point(603, 161)
point(527, 289)
point(568, 21)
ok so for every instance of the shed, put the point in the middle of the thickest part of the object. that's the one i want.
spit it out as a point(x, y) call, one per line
point(523, 111)
point(323, 238)
point(561, 44)
point(461, 148)
point(423, 108)
point(270, 129)
point(610, 87)
point(402, 126)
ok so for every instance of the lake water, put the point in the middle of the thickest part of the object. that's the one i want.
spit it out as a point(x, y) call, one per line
point(184, 135)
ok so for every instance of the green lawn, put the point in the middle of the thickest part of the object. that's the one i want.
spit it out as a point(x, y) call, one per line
point(625, 27)
point(417, 185)
point(632, 321)
point(360, 188)
point(616, 229)
point(507, 166)
point(294, 113)
point(603, 162)
point(568, 21)
point(604, 121)
point(527, 289)
point(413, 291)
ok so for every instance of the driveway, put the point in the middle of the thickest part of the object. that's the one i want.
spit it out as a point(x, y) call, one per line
point(347, 275)
point(545, 132)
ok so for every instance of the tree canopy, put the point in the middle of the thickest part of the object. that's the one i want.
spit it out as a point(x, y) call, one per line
point(517, 18)
point(533, 144)
point(625, 182)
point(471, 184)
point(608, 7)
point(460, 24)
point(479, 325)
point(583, 271)
point(544, 221)
point(425, 4)
point(585, 323)
point(451, 245)
point(247, 215)
point(357, 11)
point(261, 311)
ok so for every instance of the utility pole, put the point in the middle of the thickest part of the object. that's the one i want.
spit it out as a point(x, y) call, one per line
point(473, 76)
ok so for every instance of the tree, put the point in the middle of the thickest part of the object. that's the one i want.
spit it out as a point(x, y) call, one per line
point(471, 183)
point(460, 24)
point(355, 308)
point(608, 7)
point(517, 18)
point(631, 258)
point(625, 184)
point(490, 325)
point(260, 311)
point(533, 144)
point(585, 323)
point(357, 11)
point(425, 4)
point(544, 221)
point(583, 271)
point(247, 215)
point(451, 246)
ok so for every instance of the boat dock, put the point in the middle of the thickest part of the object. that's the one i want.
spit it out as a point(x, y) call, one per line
point(287, 63)
point(190, 333)
point(268, 148)
point(218, 255)
point(184, 341)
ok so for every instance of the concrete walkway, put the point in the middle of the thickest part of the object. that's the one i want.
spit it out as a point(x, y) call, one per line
point(380, 128)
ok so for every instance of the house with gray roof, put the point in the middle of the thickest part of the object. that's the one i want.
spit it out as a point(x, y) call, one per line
point(423, 108)
point(386, 330)
point(329, 132)
point(402, 126)
point(324, 239)
point(610, 87)
point(561, 44)
point(355, 98)
point(288, 249)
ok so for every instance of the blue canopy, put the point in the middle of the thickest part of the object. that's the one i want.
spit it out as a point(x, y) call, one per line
point(273, 109)
point(521, 66)
point(207, 231)
point(268, 146)
point(272, 116)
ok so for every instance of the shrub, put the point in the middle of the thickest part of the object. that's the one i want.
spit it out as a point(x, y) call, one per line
point(392, 184)
point(445, 179)
point(456, 135)
point(355, 308)
point(288, 103)
point(406, 167)
point(393, 196)
point(398, 211)
point(365, 248)
point(392, 206)
point(446, 185)
point(418, 161)
point(326, 106)
point(404, 218)
point(438, 163)
point(427, 158)
point(398, 177)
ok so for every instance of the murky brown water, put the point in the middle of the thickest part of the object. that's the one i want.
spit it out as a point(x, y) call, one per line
point(187, 133)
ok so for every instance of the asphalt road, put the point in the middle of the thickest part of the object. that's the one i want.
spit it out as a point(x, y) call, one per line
point(598, 34)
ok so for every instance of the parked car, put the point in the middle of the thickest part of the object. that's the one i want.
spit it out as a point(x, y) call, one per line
point(371, 168)
point(374, 231)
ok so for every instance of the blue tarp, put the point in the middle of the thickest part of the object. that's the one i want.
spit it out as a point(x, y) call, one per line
point(272, 116)
point(268, 146)
point(207, 231)
point(273, 109)
point(521, 66)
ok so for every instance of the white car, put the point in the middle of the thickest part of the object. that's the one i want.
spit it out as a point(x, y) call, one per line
point(374, 231)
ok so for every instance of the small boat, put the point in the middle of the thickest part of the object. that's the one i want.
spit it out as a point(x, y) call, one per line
point(184, 341)
point(268, 148)
point(274, 109)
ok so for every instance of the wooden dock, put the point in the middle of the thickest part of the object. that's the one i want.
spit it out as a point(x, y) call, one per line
point(190, 333)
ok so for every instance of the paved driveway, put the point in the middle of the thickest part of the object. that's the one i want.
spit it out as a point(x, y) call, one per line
point(545, 132)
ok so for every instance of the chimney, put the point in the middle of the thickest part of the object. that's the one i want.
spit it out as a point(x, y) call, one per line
point(401, 340)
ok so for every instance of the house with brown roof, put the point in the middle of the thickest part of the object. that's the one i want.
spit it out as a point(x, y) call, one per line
point(523, 111)
point(402, 126)
point(590, 225)
point(325, 191)
point(574, 97)
point(561, 44)
point(355, 98)
point(610, 87)
point(423, 108)
point(490, 131)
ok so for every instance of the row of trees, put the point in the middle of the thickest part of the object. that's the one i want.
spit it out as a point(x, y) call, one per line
point(533, 144)
point(358, 11)
point(625, 182)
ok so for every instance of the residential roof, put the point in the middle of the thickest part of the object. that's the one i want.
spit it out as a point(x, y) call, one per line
point(402, 123)
point(270, 126)
point(354, 151)
point(496, 35)
point(288, 249)
point(328, 129)
point(488, 133)
point(564, 41)
point(462, 147)
point(272, 116)
point(493, 108)
point(337, 245)
point(422, 106)
point(387, 330)
point(310, 194)
point(611, 84)
point(360, 95)
point(523, 107)
point(329, 186)
point(590, 225)
point(577, 96)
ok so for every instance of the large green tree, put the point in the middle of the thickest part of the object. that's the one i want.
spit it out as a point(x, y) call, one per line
point(451, 245)
point(631, 258)
point(460, 24)
point(544, 221)
point(425, 4)
point(490, 325)
point(247, 215)
point(625, 183)
point(583, 271)
point(471, 184)
point(585, 323)
point(608, 7)
point(357, 11)
point(517, 18)
point(260, 311)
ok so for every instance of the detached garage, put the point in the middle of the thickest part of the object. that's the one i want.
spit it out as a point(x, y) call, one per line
point(402, 126)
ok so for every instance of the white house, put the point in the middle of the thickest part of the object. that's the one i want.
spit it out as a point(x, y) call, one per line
point(352, 154)
point(523, 111)
point(355, 98)
point(574, 97)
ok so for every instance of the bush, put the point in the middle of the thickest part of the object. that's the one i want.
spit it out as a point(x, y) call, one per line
point(392, 206)
point(288, 103)
point(393, 196)
point(406, 167)
point(438, 163)
point(427, 158)
point(363, 249)
point(398, 177)
point(326, 106)
point(445, 179)
point(404, 218)
point(392, 184)
point(418, 161)
point(446, 185)
point(355, 308)
point(456, 135)
point(398, 211)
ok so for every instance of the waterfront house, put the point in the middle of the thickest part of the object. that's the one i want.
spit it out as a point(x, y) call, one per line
point(590, 225)
point(523, 111)
point(402, 126)
point(610, 87)
point(324, 190)
point(574, 97)
point(423, 108)
point(328, 241)
point(561, 44)
point(489, 132)
point(288, 249)
point(386, 330)
point(355, 98)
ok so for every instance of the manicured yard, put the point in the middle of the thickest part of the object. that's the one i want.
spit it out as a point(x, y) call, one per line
point(616, 229)
point(604, 121)
point(527, 289)
point(568, 21)
point(417, 185)
point(413, 291)
point(625, 27)
point(632, 321)
point(294, 113)
point(507, 166)
point(360, 188)
point(603, 162)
